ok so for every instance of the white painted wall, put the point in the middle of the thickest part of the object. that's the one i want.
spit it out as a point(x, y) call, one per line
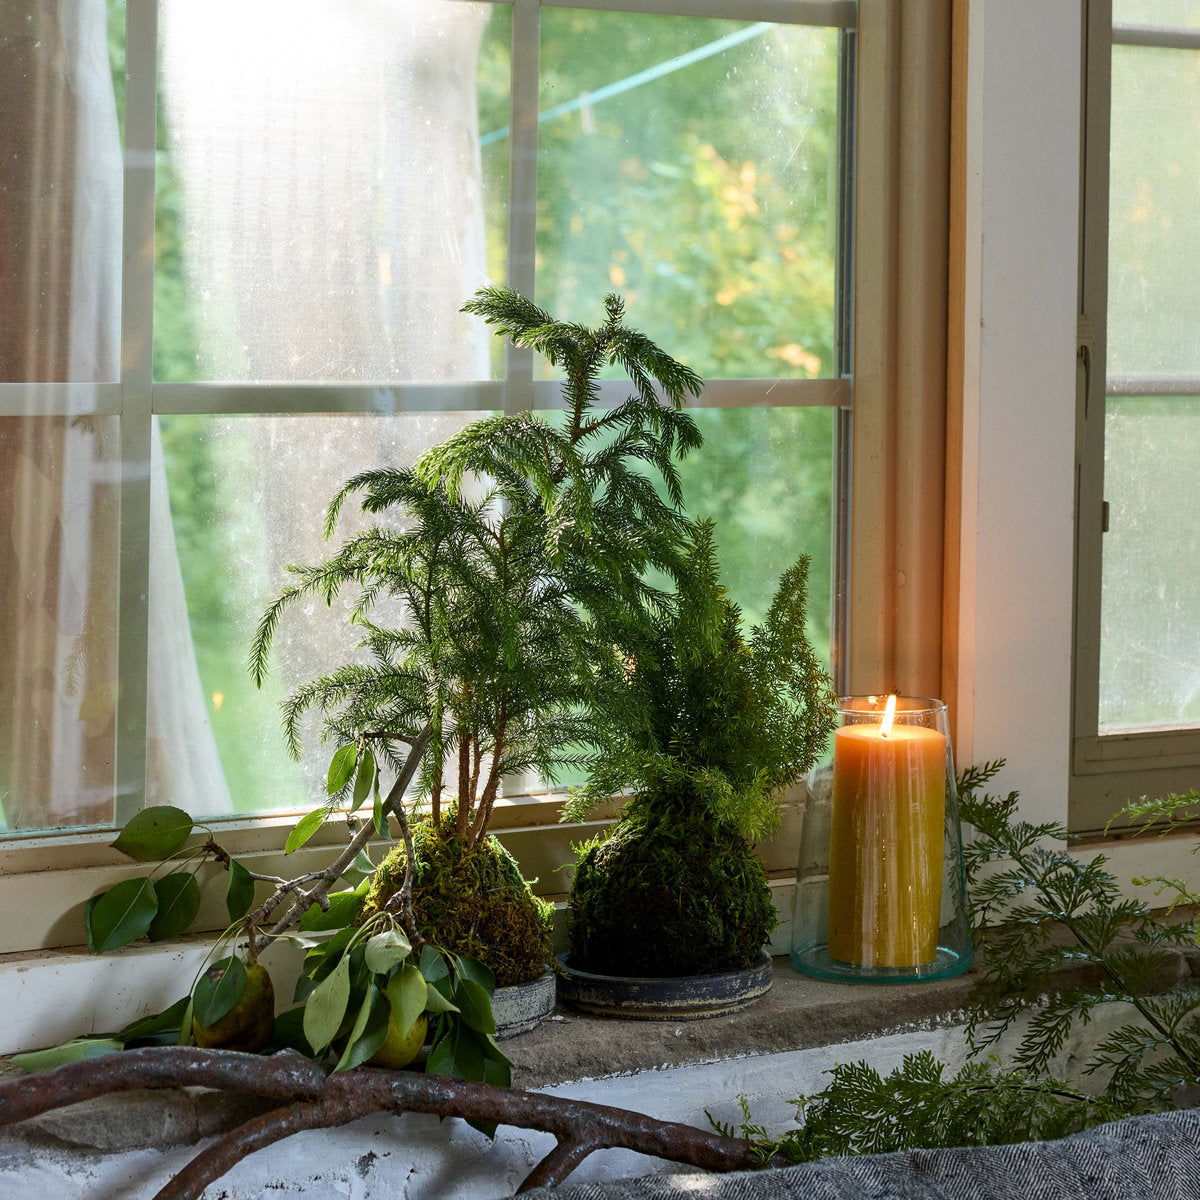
point(1019, 404)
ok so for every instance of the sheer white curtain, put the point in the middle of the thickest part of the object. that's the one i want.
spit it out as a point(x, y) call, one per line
point(60, 305)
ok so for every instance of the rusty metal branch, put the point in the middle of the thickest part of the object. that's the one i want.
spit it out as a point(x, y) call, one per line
point(314, 1100)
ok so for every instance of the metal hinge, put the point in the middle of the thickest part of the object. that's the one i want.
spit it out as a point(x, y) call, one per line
point(1103, 516)
point(1085, 352)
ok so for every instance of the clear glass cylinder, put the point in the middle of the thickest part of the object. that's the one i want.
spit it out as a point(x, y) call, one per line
point(881, 892)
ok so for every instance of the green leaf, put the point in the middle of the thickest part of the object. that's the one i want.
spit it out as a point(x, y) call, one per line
point(473, 969)
point(341, 767)
point(370, 1030)
point(365, 779)
point(178, 896)
point(168, 1021)
point(433, 964)
point(385, 950)
point(406, 991)
point(497, 1069)
point(381, 825)
point(88, 909)
point(154, 833)
point(320, 960)
point(475, 1006)
point(326, 1007)
point(121, 915)
point(343, 908)
point(288, 1033)
point(361, 868)
point(68, 1052)
point(457, 1052)
point(239, 895)
point(305, 828)
point(185, 1026)
point(436, 1000)
point(219, 989)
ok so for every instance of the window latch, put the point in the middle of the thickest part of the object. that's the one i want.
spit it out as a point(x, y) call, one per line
point(1103, 516)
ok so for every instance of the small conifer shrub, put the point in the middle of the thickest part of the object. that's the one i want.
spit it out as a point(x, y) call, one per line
point(675, 887)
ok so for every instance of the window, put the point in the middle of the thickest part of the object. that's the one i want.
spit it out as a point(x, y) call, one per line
point(206, 333)
point(1137, 691)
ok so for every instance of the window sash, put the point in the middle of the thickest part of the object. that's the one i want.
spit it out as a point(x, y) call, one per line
point(1108, 769)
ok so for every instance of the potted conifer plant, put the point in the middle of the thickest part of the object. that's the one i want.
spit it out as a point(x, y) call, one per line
point(670, 908)
point(515, 609)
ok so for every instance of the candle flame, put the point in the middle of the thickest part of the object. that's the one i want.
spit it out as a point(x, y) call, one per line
point(888, 717)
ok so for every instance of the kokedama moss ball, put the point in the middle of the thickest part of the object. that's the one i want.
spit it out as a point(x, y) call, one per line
point(669, 898)
point(470, 900)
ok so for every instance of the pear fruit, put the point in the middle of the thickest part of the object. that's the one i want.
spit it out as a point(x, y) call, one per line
point(248, 1025)
point(398, 1051)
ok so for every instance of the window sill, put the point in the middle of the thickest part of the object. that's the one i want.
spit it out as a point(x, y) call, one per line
point(796, 1014)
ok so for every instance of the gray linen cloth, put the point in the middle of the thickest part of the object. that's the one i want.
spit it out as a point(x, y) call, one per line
point(1141, 1158)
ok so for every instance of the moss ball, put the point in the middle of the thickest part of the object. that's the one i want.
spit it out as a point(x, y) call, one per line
point(470, 900)
point(669, 898)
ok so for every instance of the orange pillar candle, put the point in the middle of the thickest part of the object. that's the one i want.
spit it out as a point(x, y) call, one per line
point(885, 843)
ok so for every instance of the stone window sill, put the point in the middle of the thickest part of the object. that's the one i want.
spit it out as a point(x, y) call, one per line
point(798, 1013)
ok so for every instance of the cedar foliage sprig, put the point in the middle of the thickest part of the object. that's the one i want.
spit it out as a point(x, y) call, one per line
point(731, 720)
point(517, 606)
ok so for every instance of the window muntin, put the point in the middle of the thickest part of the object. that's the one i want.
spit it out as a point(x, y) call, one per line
point(154, 657)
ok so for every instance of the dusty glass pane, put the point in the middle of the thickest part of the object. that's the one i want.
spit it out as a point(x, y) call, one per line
point(247, 497)
point(690, 165)
point(59, 507)
point(61, 184)
point(324, 206)
point(1154, 220)
point(1150, 609)
point(1156, 12)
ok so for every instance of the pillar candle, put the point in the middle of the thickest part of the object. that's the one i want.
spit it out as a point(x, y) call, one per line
point(885, 844)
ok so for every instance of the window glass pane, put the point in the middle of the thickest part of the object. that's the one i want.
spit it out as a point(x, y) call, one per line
point(1154, 220)
point(690, 165)
point(247, 497)
point(765, 475)
point(1156, 12)
point(324, 206)
point(59, 507)
point(1150, 643)
point(61, 184)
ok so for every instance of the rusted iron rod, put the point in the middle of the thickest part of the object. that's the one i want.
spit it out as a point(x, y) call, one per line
point(315, 1100)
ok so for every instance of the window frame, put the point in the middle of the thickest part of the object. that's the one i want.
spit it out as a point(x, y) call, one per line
point(50, 874)
point(1107, 769)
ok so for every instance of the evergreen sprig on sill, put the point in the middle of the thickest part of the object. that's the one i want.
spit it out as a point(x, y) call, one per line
point(863, 1112)
point(1055, 911)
